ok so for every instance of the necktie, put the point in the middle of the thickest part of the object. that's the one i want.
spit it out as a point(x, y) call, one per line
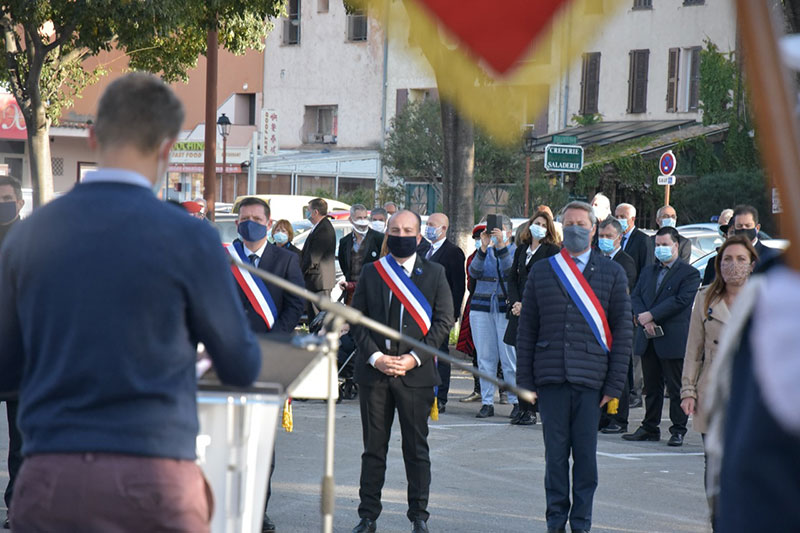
point(394, 320)
point(430, 253)
point(624, 240)
point(661, 274)
point(253, 259)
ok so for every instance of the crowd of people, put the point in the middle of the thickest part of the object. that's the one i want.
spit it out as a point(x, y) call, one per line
point(586, 310)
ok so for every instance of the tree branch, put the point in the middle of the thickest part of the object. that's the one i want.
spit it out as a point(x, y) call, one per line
point(62, 36)
point(12, 63)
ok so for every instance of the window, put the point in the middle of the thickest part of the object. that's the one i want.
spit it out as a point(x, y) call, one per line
point(693, 93)
point(673, 66)
point(322, 6)
point(590, 83)
point(694, 2)
point(357, 26)
point(291, 25)
point(642, 4)
point(57, 163)
point(321, 124)
point(637, 81)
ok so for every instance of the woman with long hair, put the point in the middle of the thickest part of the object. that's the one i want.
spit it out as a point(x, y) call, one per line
point(538, 240)
point(712, 306)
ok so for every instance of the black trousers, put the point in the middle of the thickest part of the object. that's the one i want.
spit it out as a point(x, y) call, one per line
point(444, 372)
point(378, 404)
point(14, 449)
point(657, 372)
point(570, 416)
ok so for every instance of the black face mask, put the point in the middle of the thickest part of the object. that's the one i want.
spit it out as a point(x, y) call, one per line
point(401, 246)
point(750, 233)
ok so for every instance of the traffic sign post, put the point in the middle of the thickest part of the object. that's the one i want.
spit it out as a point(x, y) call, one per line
point(667, 164)
point(563, 158)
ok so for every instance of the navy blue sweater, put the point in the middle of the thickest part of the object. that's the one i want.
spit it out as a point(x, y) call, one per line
point(104, 294)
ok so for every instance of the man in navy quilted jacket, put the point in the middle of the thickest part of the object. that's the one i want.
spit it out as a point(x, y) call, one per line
point(573, 348)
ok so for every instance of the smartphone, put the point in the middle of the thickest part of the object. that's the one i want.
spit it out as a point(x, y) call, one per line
point(658, 331)
point(492, 222)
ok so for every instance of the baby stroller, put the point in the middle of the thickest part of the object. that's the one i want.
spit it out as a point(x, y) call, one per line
point(348, 390)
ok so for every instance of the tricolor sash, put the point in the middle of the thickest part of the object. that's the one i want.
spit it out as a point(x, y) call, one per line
point(252, 286)
point(403, 289)
point(583, 296)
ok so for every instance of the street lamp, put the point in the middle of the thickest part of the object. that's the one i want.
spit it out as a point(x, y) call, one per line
point(530, 144)
point(224, 127)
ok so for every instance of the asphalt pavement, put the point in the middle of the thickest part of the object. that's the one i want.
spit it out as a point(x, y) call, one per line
point(488, 476)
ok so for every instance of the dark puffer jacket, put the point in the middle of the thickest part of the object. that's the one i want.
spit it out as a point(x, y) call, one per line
point(555, 344)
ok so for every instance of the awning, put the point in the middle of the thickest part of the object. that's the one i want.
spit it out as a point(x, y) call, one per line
point(604, 133)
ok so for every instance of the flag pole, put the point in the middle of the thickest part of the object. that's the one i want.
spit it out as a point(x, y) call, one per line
point(775, 115)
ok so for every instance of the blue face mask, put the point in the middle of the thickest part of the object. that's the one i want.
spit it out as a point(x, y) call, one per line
point(667, 222)
point(496, 242)
point(606, 245)
point(252, 231)
point(478, 244)
point(624, 223)
point(538, 232)
point(8, 212)
point(280, 237)
point(431, 233)
point(664, 253)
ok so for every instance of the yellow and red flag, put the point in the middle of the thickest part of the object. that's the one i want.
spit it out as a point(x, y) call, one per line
point(495, 60)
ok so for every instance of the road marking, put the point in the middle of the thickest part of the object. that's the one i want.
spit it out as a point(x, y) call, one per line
point(637, 456)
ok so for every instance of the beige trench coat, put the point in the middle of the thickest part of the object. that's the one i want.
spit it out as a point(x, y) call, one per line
point(701, 347)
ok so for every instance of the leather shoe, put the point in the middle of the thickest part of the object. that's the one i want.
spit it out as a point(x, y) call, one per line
point(527, 418)
point(441, 407)
point(675, 440)
point(635, 402)
point(473, 397)
point(514, 412)
point(613, 428)
point(419, 526)
point(366, 526)
point(486, 411)
point(642, 434)
point(6, 524)
point(267, 526)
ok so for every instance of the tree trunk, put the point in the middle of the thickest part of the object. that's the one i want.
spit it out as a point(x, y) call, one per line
point(39, 158)
point(458, 184)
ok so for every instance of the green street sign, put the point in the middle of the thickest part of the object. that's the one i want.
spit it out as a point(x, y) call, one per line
point(563, 158)
point(565, 139)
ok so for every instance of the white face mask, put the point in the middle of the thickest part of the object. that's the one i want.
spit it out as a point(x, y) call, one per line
point(667, 222)
point(360, 226)
point(378, 225)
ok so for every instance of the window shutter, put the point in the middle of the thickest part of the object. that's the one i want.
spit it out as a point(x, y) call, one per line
point(402, 101)
point(641, 63)
point(590, 83)
point(694, 79)
point(672, 80)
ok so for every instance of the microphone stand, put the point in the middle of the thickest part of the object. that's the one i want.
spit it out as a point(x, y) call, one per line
point(337, 315)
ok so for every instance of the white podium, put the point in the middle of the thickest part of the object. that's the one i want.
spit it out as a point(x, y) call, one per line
point(237, 429)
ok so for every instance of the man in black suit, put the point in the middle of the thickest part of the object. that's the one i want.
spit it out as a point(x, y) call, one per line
point(11, 203)
point(609, 243)
point(663, 298)
point(319, 252)
point(254, 222)
point(572, 371)
point(451, 257)
point(362, 246)
point(273, 259)
point(667, 217)
point(639, 246)
point(391, 376)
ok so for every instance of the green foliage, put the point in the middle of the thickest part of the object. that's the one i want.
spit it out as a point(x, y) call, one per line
point(717, 81)
point(391, 192)
point(698, 199)
point(587, 120)
point(362, 195)
point(543, 191)
point(414, 149)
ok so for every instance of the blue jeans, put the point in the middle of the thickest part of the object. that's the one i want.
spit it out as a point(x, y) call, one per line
point(488, 330)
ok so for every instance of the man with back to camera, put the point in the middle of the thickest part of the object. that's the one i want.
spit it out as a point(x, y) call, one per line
point(575, 359)
point(392, 377)
point(11, 203)
point(102, 343)
point(319, 253)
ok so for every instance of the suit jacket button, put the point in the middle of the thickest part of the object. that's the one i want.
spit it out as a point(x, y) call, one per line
point(715, 341)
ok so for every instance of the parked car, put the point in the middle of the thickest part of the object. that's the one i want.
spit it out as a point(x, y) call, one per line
point(708, 226)
point(707, 261)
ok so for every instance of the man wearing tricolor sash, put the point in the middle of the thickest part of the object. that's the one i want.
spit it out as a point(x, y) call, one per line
point(410, 294)
point(573, 346)
point(268, 308)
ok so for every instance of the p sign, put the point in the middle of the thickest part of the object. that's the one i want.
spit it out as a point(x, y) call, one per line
point(667, 163)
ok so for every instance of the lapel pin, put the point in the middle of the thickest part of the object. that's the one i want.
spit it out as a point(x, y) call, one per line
point(374, 253)
point(418, 271)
